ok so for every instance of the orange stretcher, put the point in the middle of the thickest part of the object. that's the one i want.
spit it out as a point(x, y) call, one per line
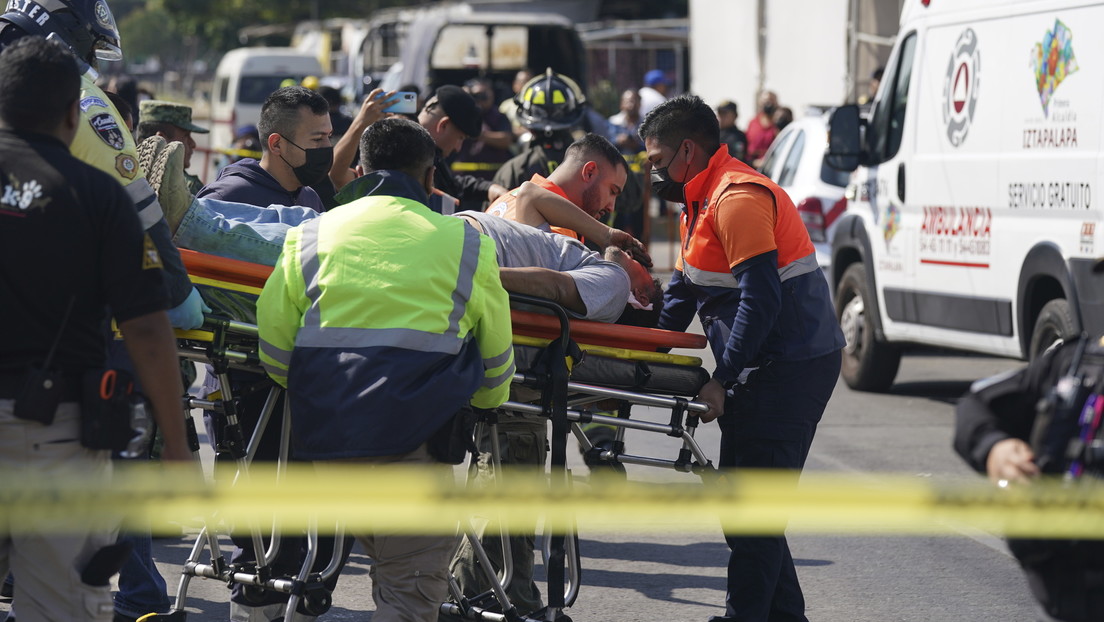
point(249, 278)
point(533, 324)
point(587, 374)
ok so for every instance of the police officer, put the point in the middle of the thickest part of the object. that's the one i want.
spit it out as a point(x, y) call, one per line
point(64, 223)
point(402, 350)
point(997, 423)
point(88, 28)
point(173, 122)
point(748, 268)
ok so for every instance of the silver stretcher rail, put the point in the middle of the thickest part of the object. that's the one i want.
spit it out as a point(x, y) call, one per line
point(235, 347)
point(644, 399)
point(578, 416)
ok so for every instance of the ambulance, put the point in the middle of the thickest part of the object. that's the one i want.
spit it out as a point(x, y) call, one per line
point(973, 214)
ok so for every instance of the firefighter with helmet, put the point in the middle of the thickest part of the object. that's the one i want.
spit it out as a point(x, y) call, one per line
point(553, 108)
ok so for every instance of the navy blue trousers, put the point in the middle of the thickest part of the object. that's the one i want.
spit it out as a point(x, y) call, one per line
point(770, 423)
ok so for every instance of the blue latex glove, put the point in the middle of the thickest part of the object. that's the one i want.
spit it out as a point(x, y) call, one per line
point(188, 315)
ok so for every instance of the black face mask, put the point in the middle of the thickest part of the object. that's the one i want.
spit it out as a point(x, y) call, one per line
point(315, 168)
point(769, 108)
point(666, 188)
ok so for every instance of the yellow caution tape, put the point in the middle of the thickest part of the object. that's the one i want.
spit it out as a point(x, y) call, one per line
point(240, 153)
point(472, 167)
point(619, 353)
point(427, 500)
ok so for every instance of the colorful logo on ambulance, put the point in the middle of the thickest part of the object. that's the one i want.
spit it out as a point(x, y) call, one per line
point(892, 223)
point(1053, 60)
point(960, 87)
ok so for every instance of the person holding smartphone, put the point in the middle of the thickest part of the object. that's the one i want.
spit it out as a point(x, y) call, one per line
point(450, 116)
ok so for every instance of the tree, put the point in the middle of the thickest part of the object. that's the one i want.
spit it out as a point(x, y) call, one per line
point(143, 35)
point(215, 23)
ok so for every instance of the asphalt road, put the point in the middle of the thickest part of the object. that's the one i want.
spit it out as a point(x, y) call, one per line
point(666, 574)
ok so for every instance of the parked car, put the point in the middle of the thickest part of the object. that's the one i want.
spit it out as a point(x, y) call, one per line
point(795, 161)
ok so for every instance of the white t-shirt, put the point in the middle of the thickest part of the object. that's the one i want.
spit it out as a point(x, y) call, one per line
point(649, 98)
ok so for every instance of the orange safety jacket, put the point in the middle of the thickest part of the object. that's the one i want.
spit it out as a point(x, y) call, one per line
point(704, 260)
point(507, 200)
point(748, 321)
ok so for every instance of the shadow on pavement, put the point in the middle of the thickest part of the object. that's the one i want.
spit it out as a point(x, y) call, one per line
point(945, 391)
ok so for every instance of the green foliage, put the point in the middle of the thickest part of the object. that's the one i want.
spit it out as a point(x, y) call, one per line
point(143, 34)
point(604, 98)
point(215, 23)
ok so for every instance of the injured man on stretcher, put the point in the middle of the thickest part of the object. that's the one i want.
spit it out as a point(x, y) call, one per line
point(532, 260)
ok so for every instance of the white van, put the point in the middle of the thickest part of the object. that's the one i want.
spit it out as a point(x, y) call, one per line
point(973, 213)
point(450, 43)
point(244, 78)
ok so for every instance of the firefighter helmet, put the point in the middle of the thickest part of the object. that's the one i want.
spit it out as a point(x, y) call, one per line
point(550, 102)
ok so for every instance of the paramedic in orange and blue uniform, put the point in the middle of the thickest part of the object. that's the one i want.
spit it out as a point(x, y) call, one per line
point(749, 270)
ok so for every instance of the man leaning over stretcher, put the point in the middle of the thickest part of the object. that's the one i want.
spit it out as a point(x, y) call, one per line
point(532, 261)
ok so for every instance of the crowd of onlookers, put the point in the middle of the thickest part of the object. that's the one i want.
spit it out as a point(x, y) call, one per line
point(503, 134)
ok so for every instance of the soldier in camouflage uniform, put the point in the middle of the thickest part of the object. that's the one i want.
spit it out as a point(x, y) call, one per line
point(173, 122)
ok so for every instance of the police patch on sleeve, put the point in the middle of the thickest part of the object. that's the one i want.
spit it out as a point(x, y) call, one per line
point(90, 101)
point(126, 166)
point(103, 16)
point(150, 257)
point(107, 128)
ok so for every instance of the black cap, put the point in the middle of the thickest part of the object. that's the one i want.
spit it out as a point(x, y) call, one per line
point(461, 108)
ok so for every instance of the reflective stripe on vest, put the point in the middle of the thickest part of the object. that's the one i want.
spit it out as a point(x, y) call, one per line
point(499, 360)
point(703, 259)
point(313, 334)
point(279, 355)
point(145, 201)
point(705, 278)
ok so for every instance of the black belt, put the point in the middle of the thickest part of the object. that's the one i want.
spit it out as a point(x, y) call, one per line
point(12, 383)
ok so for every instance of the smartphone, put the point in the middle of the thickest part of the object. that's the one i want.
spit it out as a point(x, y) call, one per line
point(403, 102)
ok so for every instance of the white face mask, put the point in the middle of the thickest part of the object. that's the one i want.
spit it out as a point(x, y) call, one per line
point(635, 304)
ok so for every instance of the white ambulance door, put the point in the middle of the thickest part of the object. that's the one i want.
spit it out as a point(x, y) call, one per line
point(887, 184)
point(960, 294)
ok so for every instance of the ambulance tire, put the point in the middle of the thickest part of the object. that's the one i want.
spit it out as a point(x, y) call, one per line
point(868, 364)
point(1055, 323)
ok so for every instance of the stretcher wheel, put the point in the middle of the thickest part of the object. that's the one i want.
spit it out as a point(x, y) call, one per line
point(253, 594)
point(316, 601)
point(598, 465)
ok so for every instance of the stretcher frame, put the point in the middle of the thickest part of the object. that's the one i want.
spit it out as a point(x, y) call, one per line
point(233, 345)
point(228, 344)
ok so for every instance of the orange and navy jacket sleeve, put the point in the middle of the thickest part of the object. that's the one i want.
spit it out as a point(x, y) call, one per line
point(745, 220)
point(745, 223)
